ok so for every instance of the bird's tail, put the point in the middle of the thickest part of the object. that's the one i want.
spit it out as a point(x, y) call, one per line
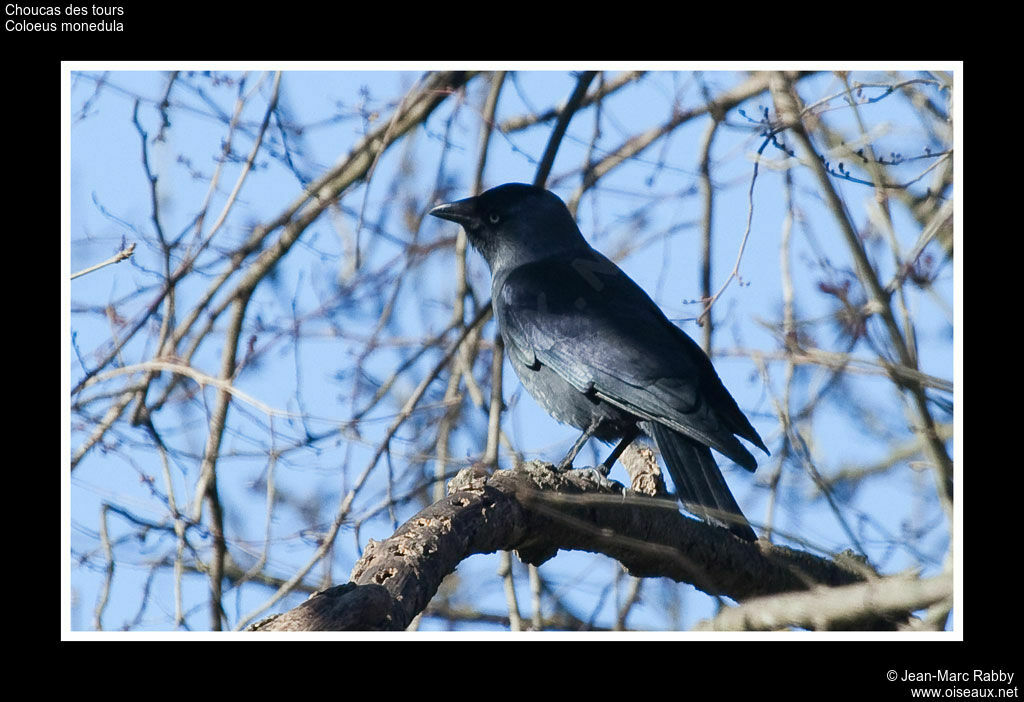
point(699, 483)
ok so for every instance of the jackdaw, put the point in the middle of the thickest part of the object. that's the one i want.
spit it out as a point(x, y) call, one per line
point(597, 353)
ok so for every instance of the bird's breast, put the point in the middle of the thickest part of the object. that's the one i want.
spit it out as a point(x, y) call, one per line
point(569, 405)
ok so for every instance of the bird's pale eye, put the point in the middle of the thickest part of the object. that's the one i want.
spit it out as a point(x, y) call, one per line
point(493, 218)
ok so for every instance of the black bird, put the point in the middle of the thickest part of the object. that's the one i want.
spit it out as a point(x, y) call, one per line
point(597, 353)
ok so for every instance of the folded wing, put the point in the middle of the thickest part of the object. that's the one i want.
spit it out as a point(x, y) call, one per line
point(593, 326)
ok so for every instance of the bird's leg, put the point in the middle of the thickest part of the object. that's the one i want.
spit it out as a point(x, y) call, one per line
point(598, 474)
point(566, 462)
point(627, 439)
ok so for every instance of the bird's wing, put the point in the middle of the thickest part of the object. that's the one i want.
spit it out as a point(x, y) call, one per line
point(591, 324)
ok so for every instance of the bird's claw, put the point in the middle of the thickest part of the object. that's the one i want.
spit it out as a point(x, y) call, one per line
point(599, 476)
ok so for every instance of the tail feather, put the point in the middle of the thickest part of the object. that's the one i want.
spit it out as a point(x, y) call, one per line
point(698, 480)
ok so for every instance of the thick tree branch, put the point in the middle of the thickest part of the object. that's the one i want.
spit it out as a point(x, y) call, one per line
point(537, 511)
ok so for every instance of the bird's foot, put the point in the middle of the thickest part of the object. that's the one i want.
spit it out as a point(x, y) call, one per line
point(599, 475)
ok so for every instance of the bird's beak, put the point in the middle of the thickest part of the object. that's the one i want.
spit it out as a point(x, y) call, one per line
point(462, 212)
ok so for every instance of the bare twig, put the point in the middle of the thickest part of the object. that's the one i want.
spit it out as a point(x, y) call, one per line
point(116, 258)
point(846, 607)
point(943, 465)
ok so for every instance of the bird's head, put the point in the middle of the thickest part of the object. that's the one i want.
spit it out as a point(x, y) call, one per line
point(514, 224)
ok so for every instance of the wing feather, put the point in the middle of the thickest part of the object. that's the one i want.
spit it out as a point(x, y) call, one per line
point(593, 326)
